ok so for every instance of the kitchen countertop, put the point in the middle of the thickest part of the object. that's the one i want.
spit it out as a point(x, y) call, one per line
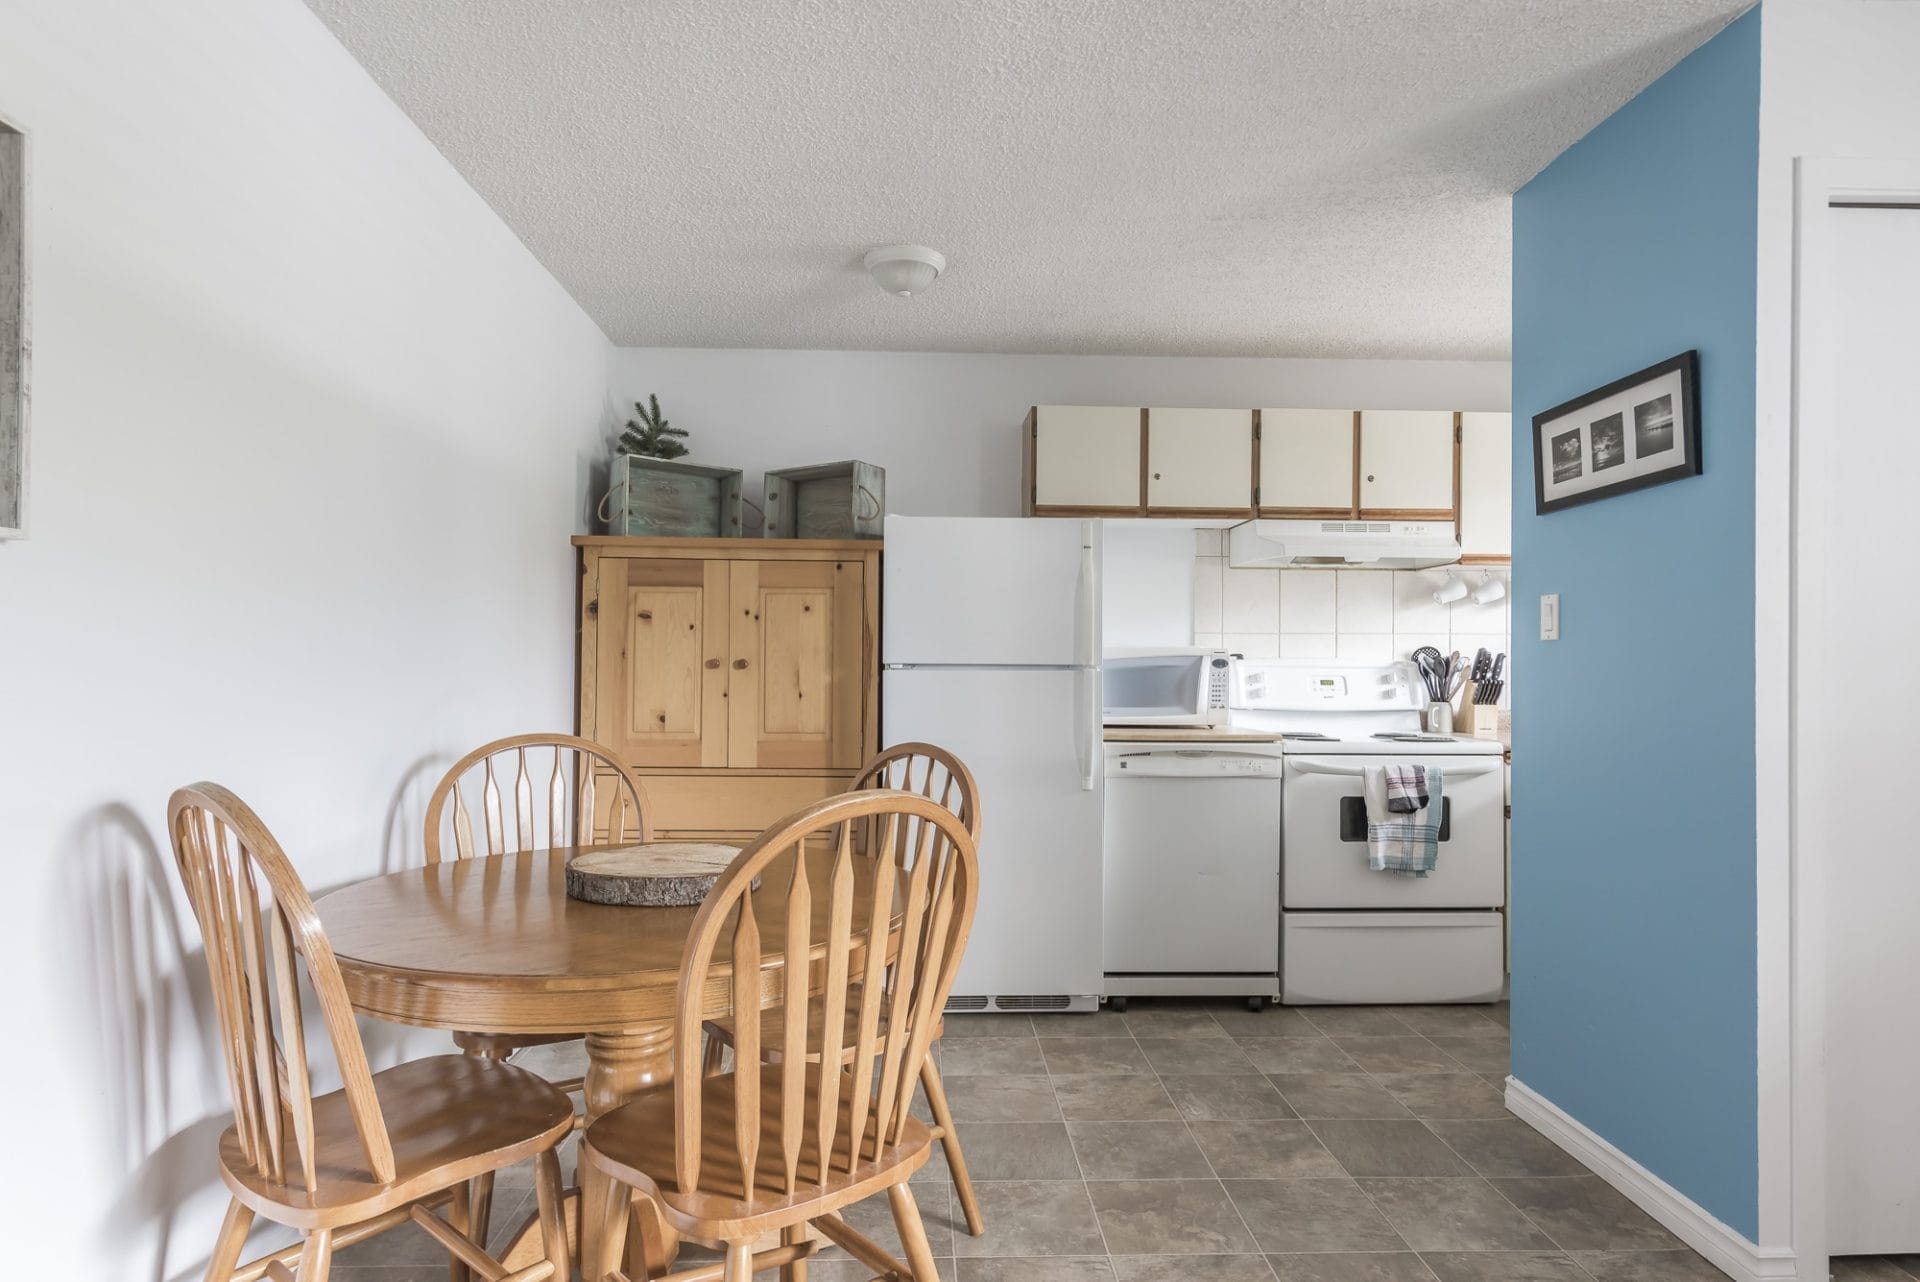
point(1188, 734)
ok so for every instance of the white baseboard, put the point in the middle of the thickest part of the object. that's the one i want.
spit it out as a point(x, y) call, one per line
point(1682, 1216)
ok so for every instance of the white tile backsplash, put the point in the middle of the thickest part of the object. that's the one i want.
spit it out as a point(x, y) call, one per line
point(1250, 601)
point(1253, 645)
point(1364, 647)
point(1414, 609)
point(1307, 600)
point(1209, 542)
point(1358, 616)
point(1307, 645)
point(1364, 601)
point(1207, 574)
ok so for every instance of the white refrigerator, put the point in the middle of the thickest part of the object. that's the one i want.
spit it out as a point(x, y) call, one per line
point(990, 644)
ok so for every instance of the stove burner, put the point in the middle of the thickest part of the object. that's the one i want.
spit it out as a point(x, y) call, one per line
point(1408, 736)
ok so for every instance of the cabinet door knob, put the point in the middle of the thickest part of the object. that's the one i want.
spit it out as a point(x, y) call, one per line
point(1369, 478)
point(713, 663)
point(739, 663)
point(1156, 476)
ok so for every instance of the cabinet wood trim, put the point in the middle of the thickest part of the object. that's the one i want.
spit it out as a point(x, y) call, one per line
point(1406, 514)
point(1485, 558)
point(728, 549)
point(1305, 514)
point(1060, 509)
point(1456, 476)
point(1029, 472)
point(1145, 444)
point(1354, 511)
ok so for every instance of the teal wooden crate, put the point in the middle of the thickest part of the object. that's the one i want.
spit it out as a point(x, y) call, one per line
point(846, 500)
point(654, 497)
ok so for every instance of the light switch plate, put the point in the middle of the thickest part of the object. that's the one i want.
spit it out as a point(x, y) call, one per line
point(1550, 617)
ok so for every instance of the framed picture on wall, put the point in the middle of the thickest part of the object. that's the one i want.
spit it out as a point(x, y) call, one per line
point(1637, 431)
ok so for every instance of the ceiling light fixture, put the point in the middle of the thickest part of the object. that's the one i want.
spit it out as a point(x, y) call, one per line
point(905, 270)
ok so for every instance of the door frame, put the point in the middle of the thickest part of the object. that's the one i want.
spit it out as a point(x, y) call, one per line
point(1792, 896)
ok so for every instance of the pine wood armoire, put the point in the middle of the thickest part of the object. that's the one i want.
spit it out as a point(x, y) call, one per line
point(740, 678)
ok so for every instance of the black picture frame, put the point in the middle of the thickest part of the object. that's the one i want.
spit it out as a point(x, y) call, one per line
point(1623, 429)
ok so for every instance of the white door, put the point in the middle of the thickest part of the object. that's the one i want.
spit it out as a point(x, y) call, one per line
point(1031, 739)
point(990, 590)
point(1857, 688)
point(1406, 460)
point(1200, 459)
point(1306, 459)
point(1326, 839)
point(1086, 456)
point(1486, 484)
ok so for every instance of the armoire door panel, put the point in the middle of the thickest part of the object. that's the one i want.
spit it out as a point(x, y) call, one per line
point(795, 655)
point(662, 694)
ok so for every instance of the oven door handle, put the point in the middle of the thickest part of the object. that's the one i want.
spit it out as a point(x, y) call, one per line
point(1335, 766)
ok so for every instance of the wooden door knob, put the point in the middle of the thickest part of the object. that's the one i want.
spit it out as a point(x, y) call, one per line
point(713, 663)
point(739, 663)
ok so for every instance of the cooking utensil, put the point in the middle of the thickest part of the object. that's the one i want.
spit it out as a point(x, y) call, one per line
point(1432, 666)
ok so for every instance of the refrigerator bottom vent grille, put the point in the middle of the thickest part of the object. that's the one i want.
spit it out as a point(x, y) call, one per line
point(1049, 1001)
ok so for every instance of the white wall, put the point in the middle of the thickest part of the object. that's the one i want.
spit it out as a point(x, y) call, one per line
point(1836, 82)
point(311, 429)
point(946, 427)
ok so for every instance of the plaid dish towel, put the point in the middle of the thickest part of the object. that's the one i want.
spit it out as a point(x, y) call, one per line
point(1408, 844)
point(1406, 788)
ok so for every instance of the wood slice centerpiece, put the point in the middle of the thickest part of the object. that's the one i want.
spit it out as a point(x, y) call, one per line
point(658, 874)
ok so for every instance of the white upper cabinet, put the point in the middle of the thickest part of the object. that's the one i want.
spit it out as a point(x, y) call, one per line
point(1200, 460)
point(1086, 456)
point(1486, 485)
point(1306, 460)
point(1406, 461)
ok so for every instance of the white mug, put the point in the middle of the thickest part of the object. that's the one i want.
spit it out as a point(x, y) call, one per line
point(1489, 591)
point(1450, 591)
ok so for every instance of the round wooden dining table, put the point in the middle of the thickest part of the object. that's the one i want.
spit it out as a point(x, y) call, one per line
point(494, 946)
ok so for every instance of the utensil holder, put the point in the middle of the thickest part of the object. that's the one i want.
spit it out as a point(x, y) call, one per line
point(1439, 718)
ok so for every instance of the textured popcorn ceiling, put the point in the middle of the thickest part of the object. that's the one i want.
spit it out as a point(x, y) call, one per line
point(1209, 177)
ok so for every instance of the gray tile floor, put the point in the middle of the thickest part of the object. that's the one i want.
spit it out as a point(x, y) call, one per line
point(1201, 1142)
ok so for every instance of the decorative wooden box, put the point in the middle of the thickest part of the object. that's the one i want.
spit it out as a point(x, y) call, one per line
point(845, 500)
point(653, 497)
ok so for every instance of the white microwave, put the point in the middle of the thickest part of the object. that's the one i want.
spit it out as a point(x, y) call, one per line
point(1164, 687)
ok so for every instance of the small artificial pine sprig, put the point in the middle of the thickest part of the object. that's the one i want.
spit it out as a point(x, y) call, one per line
point(651, 437)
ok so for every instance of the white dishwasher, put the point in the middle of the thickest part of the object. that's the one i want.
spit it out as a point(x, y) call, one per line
point(1192, 870)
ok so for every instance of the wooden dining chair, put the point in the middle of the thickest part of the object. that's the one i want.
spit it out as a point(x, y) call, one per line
point(551, 780)
point(387, 1148)
point(868, 943)
point(938, 775)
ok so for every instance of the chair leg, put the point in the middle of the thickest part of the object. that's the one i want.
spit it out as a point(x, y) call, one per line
point(615, 1212)
point(227, 1247)
point(913, 1234)
point(950, 1142)
point(460, 1216)
point(553, 1212)
point(739, 1262)
point(480, 1209)
point(316, 1257)
point(793, 1235)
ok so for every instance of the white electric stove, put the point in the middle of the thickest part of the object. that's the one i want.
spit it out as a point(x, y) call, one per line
point(1348, 934)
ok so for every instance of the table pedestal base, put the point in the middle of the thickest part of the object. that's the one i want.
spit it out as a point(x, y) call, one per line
point(601, 1232)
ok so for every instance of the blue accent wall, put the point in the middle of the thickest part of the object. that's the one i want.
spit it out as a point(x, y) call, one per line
point(1634, 981)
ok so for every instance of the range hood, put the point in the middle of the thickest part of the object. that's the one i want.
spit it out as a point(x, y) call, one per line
point(1385, 545)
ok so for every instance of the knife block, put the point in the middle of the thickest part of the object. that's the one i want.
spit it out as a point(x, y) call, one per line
point(1479, 720)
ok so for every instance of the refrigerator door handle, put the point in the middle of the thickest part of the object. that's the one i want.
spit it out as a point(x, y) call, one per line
point(1086, 603)
point(1086, 735)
